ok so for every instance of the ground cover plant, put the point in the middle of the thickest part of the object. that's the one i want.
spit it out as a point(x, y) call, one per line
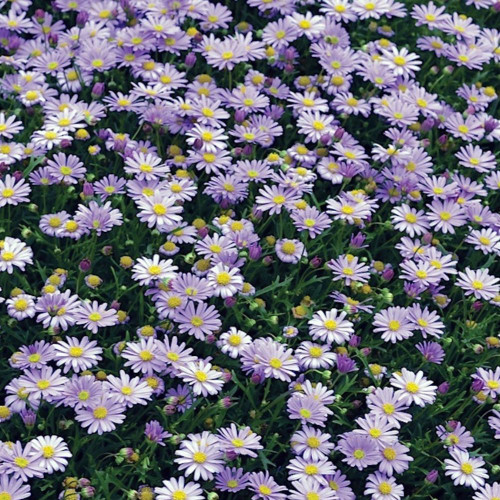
point(248, 250)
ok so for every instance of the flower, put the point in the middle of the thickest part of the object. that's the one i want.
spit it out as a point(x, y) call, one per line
point(77, 355)
point(12, 487)
point(94, 316)
point(413, 388)
point(290, 251)
point(14, 252)
point(382, 487)
point(128, 390)
point(54, 452)
point(479, 283)
point(146, 270)
point(102, 415)
point(360, 451)
point(199, 458)
point(203, 379)
point(176, 488)
point(330, 326)
point(239, 441)
point(465, 470)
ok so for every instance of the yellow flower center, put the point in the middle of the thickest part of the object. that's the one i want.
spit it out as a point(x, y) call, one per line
point(412, 387)
point(196, 321)
point(100, 412)
point(48, 451)
point(43, 384)
point(385, 488)
point(467, 468)
point(146, 355)
point(21, 462)
point(95, 316)
point(75, 352)
point(154, 270)
point(394, 325)
point(388, 408)
point(275, 363)
point(288, 248)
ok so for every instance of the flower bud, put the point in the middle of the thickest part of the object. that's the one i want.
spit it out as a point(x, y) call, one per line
point(443, 388)
point(88, 189)
point(81, 18)
point(316, 262)
point(254, 251)
point(477, 385)
point(97, 90)
point(190, 59)
point(230, 302)
point(355, 341)
point(432, 476)
point(85, 265)
point(240, 115)
point(388, 274)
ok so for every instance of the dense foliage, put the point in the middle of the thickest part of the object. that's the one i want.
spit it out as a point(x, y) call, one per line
point(249, 250)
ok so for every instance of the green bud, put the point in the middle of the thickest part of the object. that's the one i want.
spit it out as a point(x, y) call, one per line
point(190, 258)
point(26, 232)
point(326, 374)
point(32, 207)
point(212, 496)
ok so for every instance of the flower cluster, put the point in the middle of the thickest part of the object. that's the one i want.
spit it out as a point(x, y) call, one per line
point(249, 250)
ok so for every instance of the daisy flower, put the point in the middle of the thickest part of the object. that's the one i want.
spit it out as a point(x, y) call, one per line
point(13, 192)
point(144, 356)
point(94, 316)
point(102, 415)
point(178, 488)
point(274, 198)
point(487, 492)
point(225, 281)
point(128, 390)
point(54, 453)
point(202, 378)
point(290, 251)
point(198, 319)
point(410, 220)
point(382, 487)
point(486, 240)
point(160, 210)
point(413, 387)
point(311, 443)
point(239, 441)
point(479, 283)
point(13, 488)
point(359, 451)
point(445, 216)
point(331, 326)
point(401, 61)
point(307, 409)
point(147, 271)
point(465, 470)
point(348, 268)
point(22, 463)
point(232, 341)
point(202, 459)
point(77, 354)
